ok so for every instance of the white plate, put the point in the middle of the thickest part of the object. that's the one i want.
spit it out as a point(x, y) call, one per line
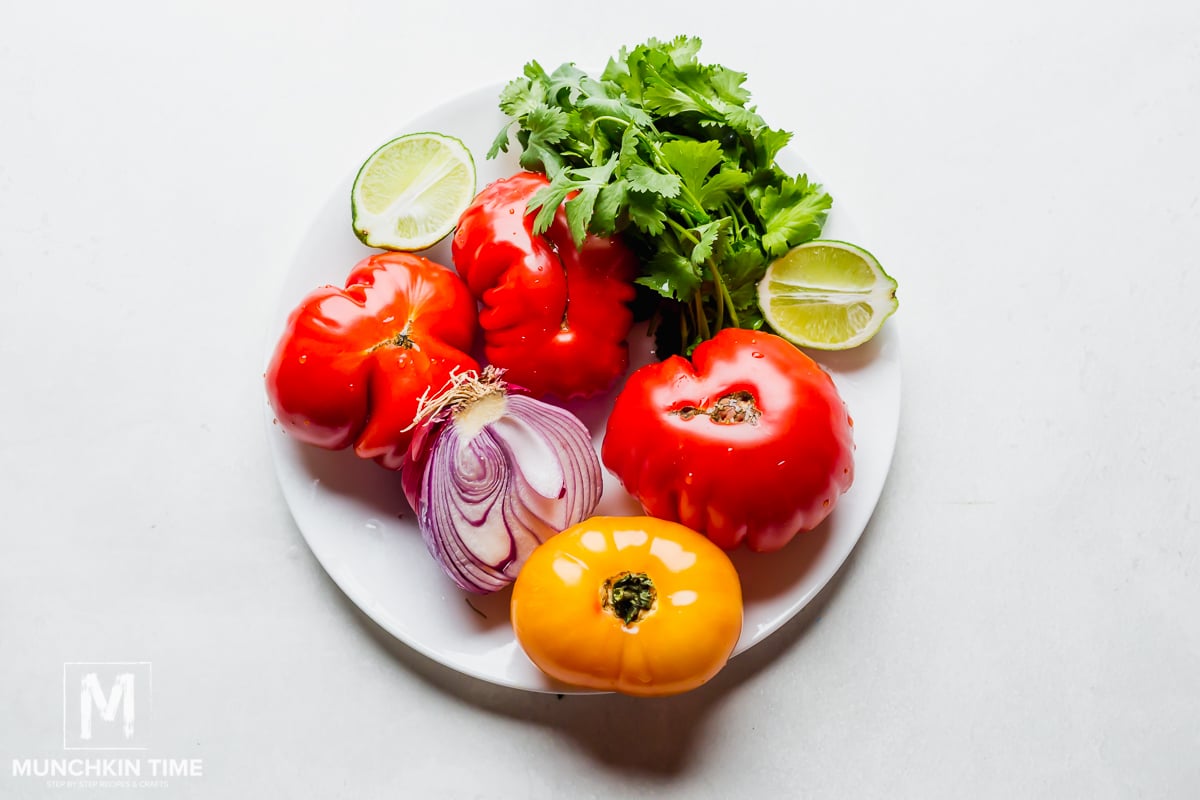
point(357, 523)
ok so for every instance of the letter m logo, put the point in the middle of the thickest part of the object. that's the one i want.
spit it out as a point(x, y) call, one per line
point(105, 705)
point(120, 698)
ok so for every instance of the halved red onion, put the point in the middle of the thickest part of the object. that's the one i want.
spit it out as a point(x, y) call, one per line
point(492, 474)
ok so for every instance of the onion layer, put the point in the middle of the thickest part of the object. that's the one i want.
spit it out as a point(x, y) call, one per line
point(492, 474)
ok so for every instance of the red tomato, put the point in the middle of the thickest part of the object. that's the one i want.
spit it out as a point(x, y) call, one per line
point(554, 317)
point(749, 442)
point(353, 363)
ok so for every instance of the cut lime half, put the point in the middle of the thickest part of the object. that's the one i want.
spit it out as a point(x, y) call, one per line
point(410, 193)
point(827, 295)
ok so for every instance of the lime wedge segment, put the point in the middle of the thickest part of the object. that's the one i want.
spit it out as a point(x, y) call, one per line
point(411, 191)
point(827, 295)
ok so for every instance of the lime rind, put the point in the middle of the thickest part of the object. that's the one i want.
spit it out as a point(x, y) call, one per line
point(827, 295)
point(409, 194)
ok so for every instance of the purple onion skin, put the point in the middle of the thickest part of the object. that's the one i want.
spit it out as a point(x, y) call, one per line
point(466, 489)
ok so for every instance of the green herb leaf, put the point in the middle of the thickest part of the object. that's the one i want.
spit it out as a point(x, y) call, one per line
point(608, 207)
point(671, 275)
point(545, 202)
point(693, 161)
point(647, 179)
point(793, 214)
point(500, 143)
point(708, 236)
point(720, 188)
point(646, 213)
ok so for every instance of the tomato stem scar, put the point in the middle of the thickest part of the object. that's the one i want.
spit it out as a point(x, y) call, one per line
point(401, 339)
point(735, 408)
point(629, 596)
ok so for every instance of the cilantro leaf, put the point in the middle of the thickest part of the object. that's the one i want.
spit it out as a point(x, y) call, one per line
point(579, 212)
point(545, 202)
point(728, 85)
point(567, 79)
point(668, 98)
point(588, 181)
point(599, 101)
point(719, 189)
point(747, 121)
point(628, 155)
point(543, 128)
point(671, 275)
point(521, 96)
point(767, 145)
point(649, 180)
point(793, 214)
point(682, 50)
point(500, 143)
point(693, 161)
point(646, 213)
point(546, 124)
point(608, 207)
point(709, 238)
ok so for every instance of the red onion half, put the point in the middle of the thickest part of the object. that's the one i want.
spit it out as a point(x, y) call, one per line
point(492, 474)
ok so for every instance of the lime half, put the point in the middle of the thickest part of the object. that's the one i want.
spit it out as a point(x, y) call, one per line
point(827, 295)
point(410, 193)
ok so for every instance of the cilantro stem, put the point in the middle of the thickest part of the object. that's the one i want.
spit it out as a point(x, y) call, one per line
point(720, 295)
point(701, 317)
point(727, 299)
point(723, 296)
point(597, 148)
point(740, 222)
point(597, 120)
point(724, 299)
point(659, 160)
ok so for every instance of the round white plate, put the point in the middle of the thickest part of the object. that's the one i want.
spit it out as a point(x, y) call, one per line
point(357, 523)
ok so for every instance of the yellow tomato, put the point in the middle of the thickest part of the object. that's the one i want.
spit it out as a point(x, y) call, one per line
point(636, 605)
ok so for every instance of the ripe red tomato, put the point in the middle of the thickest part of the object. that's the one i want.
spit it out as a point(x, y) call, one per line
point(749, 442)
point(352, 364)
point(554, 316)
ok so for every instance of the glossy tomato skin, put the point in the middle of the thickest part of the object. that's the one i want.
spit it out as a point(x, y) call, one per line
point(759, 479)
point(554, 317)
point(353, 362)
point(561, 620)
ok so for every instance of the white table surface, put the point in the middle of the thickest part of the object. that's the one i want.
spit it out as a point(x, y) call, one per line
point(1020, 619)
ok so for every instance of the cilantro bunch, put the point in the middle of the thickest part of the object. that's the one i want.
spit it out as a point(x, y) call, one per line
point(667, 152)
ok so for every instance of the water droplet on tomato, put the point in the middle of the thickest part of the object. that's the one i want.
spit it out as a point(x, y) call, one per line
point(756, 354)
point(303, 359)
